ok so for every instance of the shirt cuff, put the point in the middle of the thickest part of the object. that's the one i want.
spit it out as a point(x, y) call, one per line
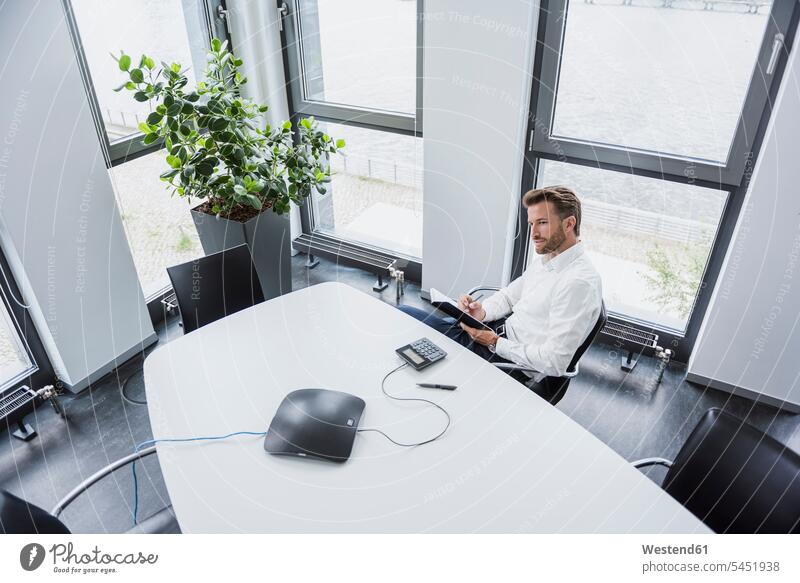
point(491, 312)
point(503, 348)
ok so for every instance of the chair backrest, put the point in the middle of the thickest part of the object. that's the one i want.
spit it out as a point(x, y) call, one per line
point(20, 517)
point(215, 286)
point(598, 325)
point(553, 389)
point(736, 478)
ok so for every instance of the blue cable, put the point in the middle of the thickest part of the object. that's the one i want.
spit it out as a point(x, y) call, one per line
point(154, 441)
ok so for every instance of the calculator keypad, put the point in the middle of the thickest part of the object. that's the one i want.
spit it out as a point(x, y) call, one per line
point(427, 350)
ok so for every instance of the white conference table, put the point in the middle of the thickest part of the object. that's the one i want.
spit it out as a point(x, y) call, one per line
point(510, 462)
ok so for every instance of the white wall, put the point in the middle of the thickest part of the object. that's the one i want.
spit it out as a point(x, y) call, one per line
point(60, 228)
point(478, 65)
point(749, 343)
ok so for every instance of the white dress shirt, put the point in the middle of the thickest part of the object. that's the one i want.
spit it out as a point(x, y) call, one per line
point(554, 305)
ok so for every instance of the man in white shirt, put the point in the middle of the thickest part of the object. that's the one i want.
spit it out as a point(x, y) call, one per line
point(551, 309)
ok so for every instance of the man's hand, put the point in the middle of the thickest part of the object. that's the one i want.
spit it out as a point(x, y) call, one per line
point(485, 337)
point(471, 307)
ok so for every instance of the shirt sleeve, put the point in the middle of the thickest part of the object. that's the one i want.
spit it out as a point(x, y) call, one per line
point(501, 303)
point(573, 312)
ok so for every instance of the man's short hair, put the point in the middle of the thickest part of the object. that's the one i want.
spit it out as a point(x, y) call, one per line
point(563, 199)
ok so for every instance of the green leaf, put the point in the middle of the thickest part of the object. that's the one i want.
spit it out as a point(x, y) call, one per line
point(144, 128)
point(148, 62)
point(173, 161)
point(137, 76)
point(186, 129)
point(205, 169)
point(174, 109)
point(154, 118)
point(124, 62)
point(254, 201)
point(150, 138)
point(218, 124)
point(287, 125)
point(141, 96)
point(215, 44)
point(340, 143)
point(169, 174)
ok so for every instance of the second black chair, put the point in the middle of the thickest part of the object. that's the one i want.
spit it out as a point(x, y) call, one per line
point(215, 286)
point(734, 477)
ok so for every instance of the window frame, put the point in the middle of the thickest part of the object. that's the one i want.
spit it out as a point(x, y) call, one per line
point(364, 117)
point(732, 177)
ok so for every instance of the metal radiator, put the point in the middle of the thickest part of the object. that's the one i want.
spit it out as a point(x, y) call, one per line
point(14, 405)
point(637, 341)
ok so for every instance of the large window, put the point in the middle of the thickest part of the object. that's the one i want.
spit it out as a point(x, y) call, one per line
point(22, 356)
point(14, 358)
point(375, 196)
point(158, 226)
point(660, 79)
point(649, 239)
point(651, 110)
point(355, 64)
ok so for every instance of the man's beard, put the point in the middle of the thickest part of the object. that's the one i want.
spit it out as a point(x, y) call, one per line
point(553, 243)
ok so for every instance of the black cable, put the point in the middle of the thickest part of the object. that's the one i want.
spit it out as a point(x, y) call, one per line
point(125, 384)
point(143, 355)
point(383, 388)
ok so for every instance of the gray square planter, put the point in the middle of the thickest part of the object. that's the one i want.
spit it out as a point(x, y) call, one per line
point(267, 236)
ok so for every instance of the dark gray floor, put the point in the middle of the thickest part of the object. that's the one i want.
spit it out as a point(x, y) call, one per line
point(626, 411)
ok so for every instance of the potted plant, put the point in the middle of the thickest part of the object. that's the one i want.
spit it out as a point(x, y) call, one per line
point(244, 173)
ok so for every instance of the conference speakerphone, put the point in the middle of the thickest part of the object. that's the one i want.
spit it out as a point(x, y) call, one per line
point(317, 423)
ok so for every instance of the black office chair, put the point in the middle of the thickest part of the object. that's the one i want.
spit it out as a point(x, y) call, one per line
point(734, 477)
point(20, 517)
point(215, 286)
point(551, 389)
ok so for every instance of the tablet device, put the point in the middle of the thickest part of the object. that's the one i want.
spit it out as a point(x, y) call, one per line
point(450, 307)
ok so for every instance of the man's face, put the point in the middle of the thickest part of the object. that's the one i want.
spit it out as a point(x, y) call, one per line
point(547, 232)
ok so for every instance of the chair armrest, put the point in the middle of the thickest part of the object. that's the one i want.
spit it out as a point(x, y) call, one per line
point(99, 475)
point(652, 461)
point(512, 366)
point(483, 288)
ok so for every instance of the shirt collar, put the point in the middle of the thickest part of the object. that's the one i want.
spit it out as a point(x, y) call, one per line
point(562, 260)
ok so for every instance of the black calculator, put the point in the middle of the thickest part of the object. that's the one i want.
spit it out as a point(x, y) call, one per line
point(421, 353)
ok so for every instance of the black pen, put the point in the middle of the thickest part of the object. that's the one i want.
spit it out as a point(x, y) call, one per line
point(435, 386)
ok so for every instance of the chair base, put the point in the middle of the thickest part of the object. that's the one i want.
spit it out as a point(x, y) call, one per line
point(551, 389)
